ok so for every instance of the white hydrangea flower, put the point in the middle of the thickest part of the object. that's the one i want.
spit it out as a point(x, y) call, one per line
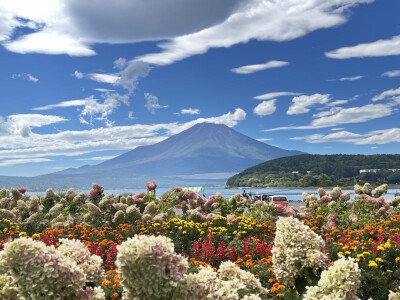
point(8, 291)
point(149, 268)
point(382, 189)
point(394, 296)
point(90, 264)
point(340, 281)
point(297, 250)
point(40, 272)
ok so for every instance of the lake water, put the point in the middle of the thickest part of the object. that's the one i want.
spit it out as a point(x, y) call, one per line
point(291, 194)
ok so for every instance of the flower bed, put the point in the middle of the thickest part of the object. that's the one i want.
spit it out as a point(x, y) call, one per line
point(292, 254)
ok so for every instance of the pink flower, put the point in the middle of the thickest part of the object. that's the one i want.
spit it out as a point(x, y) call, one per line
point(151, 185)
point(230, 218)
point(209, 203)
point(372, 200)
point(190, 195)
point(326, 199)
point(380, 201)
point(353, 218)
point(22, 190)
point(177, 189)
point(259, 203)
point(93, 194)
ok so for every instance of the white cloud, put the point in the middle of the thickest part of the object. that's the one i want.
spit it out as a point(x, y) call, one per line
point(99, 77)
point(275, 95)
point(78, 74)
point(73, 143)
point(264, 139)
point(48, 42)
point(258, 20)
point(72, 26)
point(25, 76)
point(103, 90)
point(259, 67)
point(152, 103)
point(21, 124)
point(69, 103)
point(385, 136)
point(104, 78)
point(300, 104)
point(265, 108)
point(190, 111)
point(345, 116)
point(351, 78)
point(129, 76)
point(330, 112)
point(386, 94)
point(342, 136)
point(22, 161)
point(393, 73)
point(100, 111)
point(130, 115)
point(337, 102)
point(120, 63)
point(354, 115)
point(97, 158)
point(377, 48)
point(337, 129)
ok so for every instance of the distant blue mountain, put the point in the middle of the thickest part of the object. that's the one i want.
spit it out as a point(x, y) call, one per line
point(203, 148)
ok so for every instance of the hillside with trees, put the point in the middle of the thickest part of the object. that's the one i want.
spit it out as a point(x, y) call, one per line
point(320, 170)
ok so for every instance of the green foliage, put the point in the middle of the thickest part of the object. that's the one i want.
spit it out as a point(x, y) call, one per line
point(320, 170)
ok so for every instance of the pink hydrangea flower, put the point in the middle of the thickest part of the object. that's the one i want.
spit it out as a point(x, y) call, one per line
point(353, 218)
point(151, 185)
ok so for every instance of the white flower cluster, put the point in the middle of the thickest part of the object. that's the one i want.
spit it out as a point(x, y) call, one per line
point(222, 285)
point(297, 250)
point(382, 189)
point(149, 268)
point(394, 296)
point(90, 264)
point(8, 291)
point(340, 281)
point(43, 272)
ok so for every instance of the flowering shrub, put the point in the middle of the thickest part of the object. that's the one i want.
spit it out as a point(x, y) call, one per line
point(145, 259)
point(214, 236)
point(340, 281)
point(298, 252)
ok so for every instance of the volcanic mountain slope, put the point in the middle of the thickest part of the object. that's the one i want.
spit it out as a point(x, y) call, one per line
point(203, 148)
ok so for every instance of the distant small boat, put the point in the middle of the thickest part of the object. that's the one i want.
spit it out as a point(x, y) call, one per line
point(397, 194)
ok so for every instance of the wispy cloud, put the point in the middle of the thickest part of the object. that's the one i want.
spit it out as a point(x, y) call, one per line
point(377, 48)
point(265, 108)
point(98, 77)
point(69, 103)
point(300, 104)
point(344, 116)
point(393, 73)
point(97, 158)
point(386, 94)
point(385, 136)
point(259, 67)
point(152, 103)
point(74, 143)
point(351, 78)
point(190, 111)
point(22, 161)
point(25, 76)
point(273, 95)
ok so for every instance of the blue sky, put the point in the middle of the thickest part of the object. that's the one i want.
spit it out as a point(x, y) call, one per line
point(84, 81)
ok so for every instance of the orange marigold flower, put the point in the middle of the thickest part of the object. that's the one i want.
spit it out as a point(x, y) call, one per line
point(115, 295)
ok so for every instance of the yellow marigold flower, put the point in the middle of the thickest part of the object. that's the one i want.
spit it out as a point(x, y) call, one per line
point(381, 247)
point(22, 233)
point(397, 259)
point(347, 252)
point(389, 271)
point(372, 264)
point(184, 232)
point(387, 244)
point(340, 253)
point(366, 253)
point(378, 259)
